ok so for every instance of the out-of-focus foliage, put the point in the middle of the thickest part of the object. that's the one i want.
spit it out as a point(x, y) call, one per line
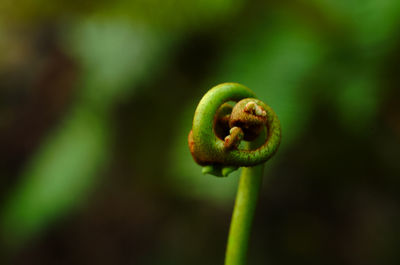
point(59, 175)
point(114, 55)
point(171, 14)
point(370, 24)
point(117, 142)
point(65, 168)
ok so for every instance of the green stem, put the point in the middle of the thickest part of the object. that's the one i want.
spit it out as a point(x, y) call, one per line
point(243, 213)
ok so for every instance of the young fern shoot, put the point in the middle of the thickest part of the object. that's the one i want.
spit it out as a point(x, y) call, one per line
point(227, 136)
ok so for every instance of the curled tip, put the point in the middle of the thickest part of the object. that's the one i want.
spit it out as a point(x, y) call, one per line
point(220, 127)
point(227, 170)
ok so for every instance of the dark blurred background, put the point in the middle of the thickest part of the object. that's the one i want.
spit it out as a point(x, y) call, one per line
point(97, 99)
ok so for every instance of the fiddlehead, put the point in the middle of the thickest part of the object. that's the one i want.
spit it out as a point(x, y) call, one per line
point(219, 129)
point(225, 137)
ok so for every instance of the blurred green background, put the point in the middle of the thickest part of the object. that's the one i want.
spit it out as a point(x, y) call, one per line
point(97, 99)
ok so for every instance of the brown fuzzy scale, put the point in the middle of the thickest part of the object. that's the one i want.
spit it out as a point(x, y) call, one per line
point(245, 118)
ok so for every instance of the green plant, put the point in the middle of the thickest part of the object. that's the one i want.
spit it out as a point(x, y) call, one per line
point(226, 136)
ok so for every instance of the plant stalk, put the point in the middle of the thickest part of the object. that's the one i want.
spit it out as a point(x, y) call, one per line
point(243, 213)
